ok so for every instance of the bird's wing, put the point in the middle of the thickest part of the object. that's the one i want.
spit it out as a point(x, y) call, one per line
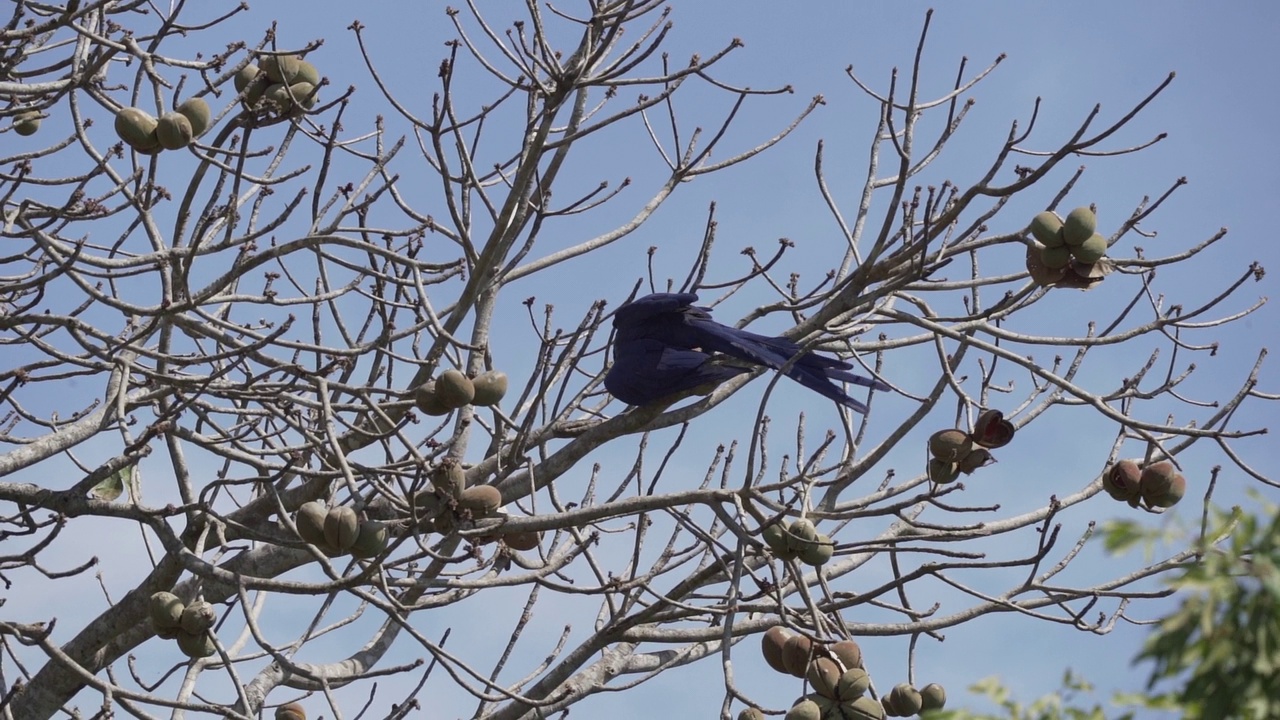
point(646, 308)
point(647, 370)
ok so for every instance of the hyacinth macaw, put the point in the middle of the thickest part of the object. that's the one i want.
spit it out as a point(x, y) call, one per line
point(663, 345)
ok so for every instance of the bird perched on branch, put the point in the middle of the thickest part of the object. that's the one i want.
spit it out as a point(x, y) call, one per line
point(663, 345)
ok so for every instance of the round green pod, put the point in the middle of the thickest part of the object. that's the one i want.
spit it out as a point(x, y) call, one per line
point(481, 500)
point(1055, 258)
point(454, 389)
point(489, 387)
point(307, 73)
point(341, 527)
point(426, 399)
point(198, 617)
point(371, 540)
point(932, 697)
point(197, 112)
point(137, 128)
point(27, 123)
point(196, 646)
point(1079, 225)
point(165, 610)
point(818, 552)
point(805, 710)
point(304, 94)
point(1092, 250)
point(310, 523)
point(281, 68)
point(1047, 228)
point(174, 131)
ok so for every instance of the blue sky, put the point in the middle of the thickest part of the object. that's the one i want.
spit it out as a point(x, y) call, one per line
point(1219, 115)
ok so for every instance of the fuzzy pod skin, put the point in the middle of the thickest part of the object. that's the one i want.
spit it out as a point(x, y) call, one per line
point(991, 430)
point(196, 646)
point(800, 534)
point(852, 684)
point(775, 536)
point(1121, 480)
point(310, 523)
point(943, 472)
point(247, 78)
point(371, 539)
point(198, 617)
point(979, 458)
point(454, 389)
point(1161, 485)
point(864, 708)
point(448, 478)
point(1046, 227)
point(304, 95)
point(950, 445)
point(426, 399)
point(932, 697)
point(489, 388)
point(905, 699)
point(341, 527)
point(137, 128)
point(1055, 258)
point(1090, 251)
point(806, 709)
point(823, 675)
point(165, 610)
point(481, 500)
point(848, 652)
point(197, 112)
point(751, 714)
point(307, 73)
point(278, 95)
point(281, 68)
point(818, 552)
point(1079, 225)
point(174, 131)
point(771, 645)
point(292, 711)
point(27, 124)
point(795, 655)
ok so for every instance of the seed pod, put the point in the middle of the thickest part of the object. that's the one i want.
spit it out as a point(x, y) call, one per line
point(800, 534)
point(775, 536)
point(950, 445)
point(771, 644)
point(481, 500)
point(864, 708)
point(1047, 228)
point(248, 77)
point(304, 94)
point(310, 523)
point(428, 400)
point(165, 610)
point(282, 68)
point(992, 430)
point(341, 527)
point(848, 652)
point(197, 112)
point(795, 655)
point(522, 541)
point(307, 73)
point(27, 123)
point(137, 128)
point(818, 552)
point(198, 617)
point(905, 699)
point(1161, 485)
point(1042, 274)
point(1079, 225)
point(852, 684)
point(454, 389)
point(196, 646)
point(448, 478)
point(174, 131)
point(932, 697)
point(1091, 250)
point(751, 714)
point(980, 457)
point(1055, 258)
point(292, 711)
point(370, 540)
point(425, 503)
point(823, 674)
point(1121, 480)
point(279, 97)
point(805, 710)
point(943, 472)
point(489, 387)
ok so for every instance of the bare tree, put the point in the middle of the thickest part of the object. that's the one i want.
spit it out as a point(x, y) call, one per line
point(244, 311)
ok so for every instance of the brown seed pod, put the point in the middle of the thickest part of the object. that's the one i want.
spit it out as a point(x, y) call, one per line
point(864, 708)
point(341, 527)
point(932, 697)
point(818, 552)
point(174, 131)
point(980, 457)
point(448, 478)
point(282, 68)
point(771, 644)
point(1047, 228)
point(1079, 225)
point(292, 711)
point(310, 523)
point(1120, 481)
point(795, 655)
point(198, 617)
point(806, 709)
point(991, 430)
point(943, 472)
point(428, 400)
point(27, 123)
point(481, 500)
point(823, 674)
point(852, 684)
point(196, 646)
point(848, 652)
point(489, 387)
point(454, 389)
point(137, 129)
point(522, 541)
point(905, 699)
point(197, 112)
point(950, 445)
point(1161, 485)
point(165, 610)
point(371, 539)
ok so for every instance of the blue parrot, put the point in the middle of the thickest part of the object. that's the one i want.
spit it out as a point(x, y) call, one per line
point(663, 345)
